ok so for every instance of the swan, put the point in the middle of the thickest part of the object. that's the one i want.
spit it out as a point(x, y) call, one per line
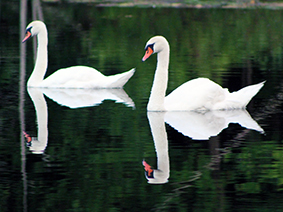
point(71, 77)
point(199, 94)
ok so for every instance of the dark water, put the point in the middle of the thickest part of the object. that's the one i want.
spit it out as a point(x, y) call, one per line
point(92, 157)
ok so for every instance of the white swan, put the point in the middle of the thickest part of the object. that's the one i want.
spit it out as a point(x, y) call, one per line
point(195, 95)
point(72, 77)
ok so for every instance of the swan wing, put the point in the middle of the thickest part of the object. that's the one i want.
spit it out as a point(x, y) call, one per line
point(85, 77)
point(195, 95)
point(72, 77)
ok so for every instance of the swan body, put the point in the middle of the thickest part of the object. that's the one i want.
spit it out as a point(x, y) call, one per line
point(72, 77)
point(199, 94)
point(85, 77)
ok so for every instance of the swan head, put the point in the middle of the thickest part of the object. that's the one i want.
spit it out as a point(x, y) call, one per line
point(34, 28)
point(155, 45)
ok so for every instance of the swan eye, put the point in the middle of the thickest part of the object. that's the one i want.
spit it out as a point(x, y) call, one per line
point(28, 29)
point(149, 46)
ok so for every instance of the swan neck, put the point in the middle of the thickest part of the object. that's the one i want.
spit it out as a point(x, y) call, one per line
point(41, 59)
point(158, 90)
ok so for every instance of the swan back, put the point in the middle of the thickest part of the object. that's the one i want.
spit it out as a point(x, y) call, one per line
point(85, 77)
point(199, 94)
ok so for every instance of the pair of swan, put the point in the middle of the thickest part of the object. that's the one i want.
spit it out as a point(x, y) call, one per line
point(199, 94)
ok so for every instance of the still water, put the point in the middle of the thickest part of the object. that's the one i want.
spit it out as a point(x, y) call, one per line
point(97, 156)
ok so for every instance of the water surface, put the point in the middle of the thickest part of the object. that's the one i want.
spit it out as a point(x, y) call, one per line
point(92, 157)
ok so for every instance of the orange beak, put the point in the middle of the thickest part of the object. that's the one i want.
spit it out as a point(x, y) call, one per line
point(148, 52)
point(28, 35)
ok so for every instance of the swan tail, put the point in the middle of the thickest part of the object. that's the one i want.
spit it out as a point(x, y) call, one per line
point(119, 80)
point(247, 93)
point(241, 98)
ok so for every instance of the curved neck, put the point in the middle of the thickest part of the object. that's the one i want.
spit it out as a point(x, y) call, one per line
point(41, 60)
point(158, 90)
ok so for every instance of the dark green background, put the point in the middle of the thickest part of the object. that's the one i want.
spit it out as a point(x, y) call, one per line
point(93, 161)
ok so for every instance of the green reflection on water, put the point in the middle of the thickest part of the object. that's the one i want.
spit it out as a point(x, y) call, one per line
point(93, 159)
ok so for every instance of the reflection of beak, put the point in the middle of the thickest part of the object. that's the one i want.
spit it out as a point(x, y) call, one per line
point(148, 169)
point(28, 138)
point(148, 52)
point(28, 36)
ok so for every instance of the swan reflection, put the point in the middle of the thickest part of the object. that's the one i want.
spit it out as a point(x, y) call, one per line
point(159, 135)
point(199, 126)
point(72, 98)
point(38, 144)
point(202, 126)
point(77, 98)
